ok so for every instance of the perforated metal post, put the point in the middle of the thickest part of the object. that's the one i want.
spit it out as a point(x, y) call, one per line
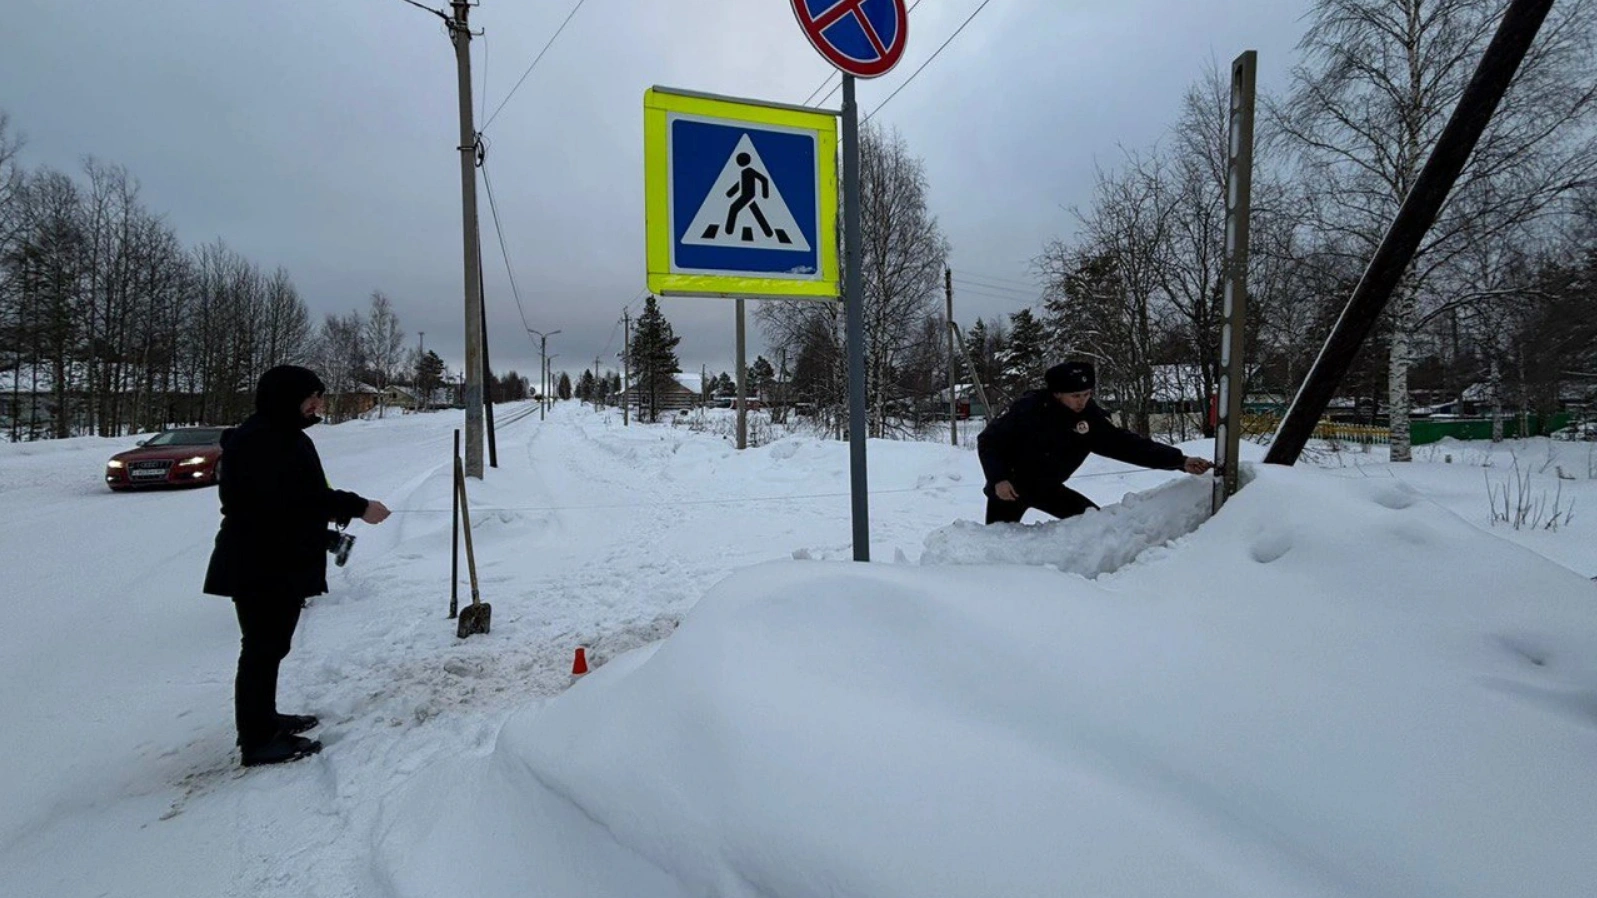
point(1238, 208)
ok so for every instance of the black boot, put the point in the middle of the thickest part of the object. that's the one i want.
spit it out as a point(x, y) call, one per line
point(297, 723)
point(280, 749)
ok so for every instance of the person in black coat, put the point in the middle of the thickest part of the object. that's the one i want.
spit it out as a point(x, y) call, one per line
point(1030, 450)
point(271, 550)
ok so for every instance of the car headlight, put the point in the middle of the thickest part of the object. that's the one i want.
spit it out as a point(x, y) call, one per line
point(189, 462)
point(113, 463)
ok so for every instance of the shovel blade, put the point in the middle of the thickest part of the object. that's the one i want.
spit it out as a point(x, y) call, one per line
point(474, 619)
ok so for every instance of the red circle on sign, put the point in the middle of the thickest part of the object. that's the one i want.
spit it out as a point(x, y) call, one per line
point(884, 55)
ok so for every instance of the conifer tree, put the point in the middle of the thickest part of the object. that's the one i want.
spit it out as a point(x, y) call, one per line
point(653, 359)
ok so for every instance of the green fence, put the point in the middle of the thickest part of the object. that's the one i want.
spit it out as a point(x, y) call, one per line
point(1432, 430)
point(1421, 430)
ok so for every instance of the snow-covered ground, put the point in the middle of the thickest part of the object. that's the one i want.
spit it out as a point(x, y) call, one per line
point(1348, 683)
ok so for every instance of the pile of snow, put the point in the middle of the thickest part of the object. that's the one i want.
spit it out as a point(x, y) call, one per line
point(1334, 687)
point(1098, 542)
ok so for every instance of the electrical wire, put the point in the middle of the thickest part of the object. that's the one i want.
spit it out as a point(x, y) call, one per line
point(978, 276)
point(929, 59)
point(437, 12)
point(834, 73)
point(989, 287)
point(617, 326)
point(493, 208)
point(534, 65)
point(1009, 298)
point(617, 506)
point(736, 501)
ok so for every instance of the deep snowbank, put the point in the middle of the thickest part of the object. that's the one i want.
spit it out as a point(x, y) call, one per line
point(1332, 688)
point(1098, 542)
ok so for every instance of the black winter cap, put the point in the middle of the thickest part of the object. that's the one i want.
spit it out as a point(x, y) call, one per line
point(1070, 377)
point(282, 389)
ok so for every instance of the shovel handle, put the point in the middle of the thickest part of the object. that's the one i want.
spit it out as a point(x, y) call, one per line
point(465, 516)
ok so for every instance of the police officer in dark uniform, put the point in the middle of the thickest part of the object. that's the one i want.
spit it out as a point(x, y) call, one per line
point(1030, 450)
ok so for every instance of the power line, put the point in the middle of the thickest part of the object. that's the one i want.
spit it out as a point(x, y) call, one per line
point(732, 501)
point(437, 12)
point(534, 65)
point(978, 276)
point(830, 75)
point(929, 59)
point(498, 229)
point(1005, 297)
point(994, 287)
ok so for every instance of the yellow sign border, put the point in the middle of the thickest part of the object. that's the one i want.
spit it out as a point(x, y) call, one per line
point(658, 103)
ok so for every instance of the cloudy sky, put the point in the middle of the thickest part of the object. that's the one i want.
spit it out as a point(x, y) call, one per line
point(321, 136)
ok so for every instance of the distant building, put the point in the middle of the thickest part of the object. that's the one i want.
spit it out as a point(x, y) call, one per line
point(680, 391)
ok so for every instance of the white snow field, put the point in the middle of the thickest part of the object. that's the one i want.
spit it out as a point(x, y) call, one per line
point(1348, 683)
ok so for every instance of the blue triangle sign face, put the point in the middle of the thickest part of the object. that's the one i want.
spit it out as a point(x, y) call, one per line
point(745, 209)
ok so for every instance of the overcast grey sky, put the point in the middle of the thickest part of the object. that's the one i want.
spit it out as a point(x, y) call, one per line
point(321, 136)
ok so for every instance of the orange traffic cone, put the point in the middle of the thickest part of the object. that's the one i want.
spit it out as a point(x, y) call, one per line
point(579, 664)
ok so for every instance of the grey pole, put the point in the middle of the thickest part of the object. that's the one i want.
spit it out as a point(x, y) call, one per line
point(460, 36)
point(1233, 344)
point(626, 361)
point(953, 400)
point(543, 368)
point(854, 299)
point(970, 365)
point(743, 391)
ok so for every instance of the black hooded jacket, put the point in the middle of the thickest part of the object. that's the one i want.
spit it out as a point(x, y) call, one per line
point(276, 503)
point(1039, 442)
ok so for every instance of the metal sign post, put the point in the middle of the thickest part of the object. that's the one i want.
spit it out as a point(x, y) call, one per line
point(862, 39)
point(854, 302)
point(1238, 209)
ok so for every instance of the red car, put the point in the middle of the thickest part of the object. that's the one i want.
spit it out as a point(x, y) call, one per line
point(177, 457)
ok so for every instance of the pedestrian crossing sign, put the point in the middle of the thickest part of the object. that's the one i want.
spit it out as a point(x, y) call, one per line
point(741, 197)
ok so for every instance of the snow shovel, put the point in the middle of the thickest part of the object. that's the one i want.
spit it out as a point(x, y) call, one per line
point(474, 618)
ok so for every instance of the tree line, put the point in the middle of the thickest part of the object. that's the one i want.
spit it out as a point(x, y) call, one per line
point(1500, 296)
point(109, 324)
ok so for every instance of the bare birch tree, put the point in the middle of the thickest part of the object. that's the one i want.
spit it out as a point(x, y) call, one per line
point(1379, 80)
point(382, 342)
point(1104, 294)
point(902, 258)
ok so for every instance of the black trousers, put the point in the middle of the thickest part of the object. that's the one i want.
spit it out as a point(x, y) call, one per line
point(1060, 501)
point(266, 624)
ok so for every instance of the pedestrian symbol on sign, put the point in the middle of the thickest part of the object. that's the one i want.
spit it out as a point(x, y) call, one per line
point(743, 191)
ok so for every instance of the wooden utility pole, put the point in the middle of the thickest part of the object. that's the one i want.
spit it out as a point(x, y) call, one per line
point(460, 36)
point(626, 360)
point(953, 397)
point(543, 368)
point(975, 379)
